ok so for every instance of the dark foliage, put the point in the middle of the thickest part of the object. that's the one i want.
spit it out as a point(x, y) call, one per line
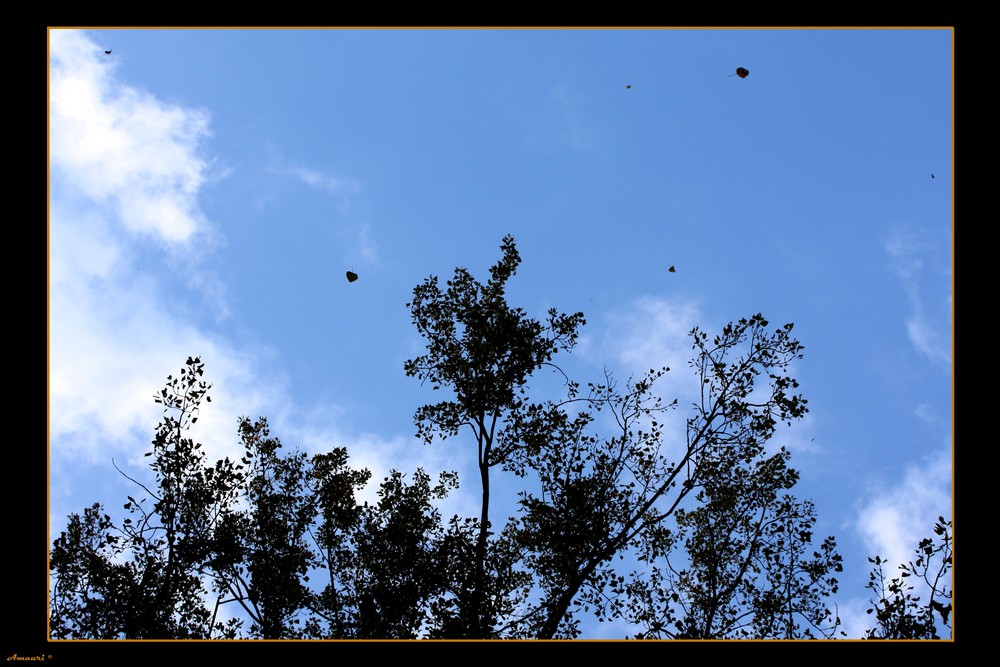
point(898, 611)
point(703, 540)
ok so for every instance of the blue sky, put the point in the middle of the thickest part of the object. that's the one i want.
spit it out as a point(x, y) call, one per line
point(209, 189)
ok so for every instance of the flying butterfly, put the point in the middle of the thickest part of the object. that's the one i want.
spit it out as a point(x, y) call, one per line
point(741, 72)
point(351, 276)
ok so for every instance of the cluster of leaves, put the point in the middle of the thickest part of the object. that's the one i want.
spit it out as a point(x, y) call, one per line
point(701, 540)
point(898, 611)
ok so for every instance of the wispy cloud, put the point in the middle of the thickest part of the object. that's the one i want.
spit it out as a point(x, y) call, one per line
point(334, 185)
point(574, 128)
point(915, 262)
point(366, 245)
point(927, 414)
point(344, 190)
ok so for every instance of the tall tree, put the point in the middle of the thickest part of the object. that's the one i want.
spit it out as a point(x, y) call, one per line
point(600, 496)
point(484, 351)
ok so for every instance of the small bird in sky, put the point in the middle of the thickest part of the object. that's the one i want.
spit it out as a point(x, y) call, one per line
point(932, 175)
point(351, 276)
point(741, 72)
point(628, 86)
point(672, 269)
point(107, 53)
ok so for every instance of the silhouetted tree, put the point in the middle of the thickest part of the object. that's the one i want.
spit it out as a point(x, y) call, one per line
point(484, 351)
point(257, 531)
point(722, 548)
point(744, 569)
point(262, 552)
point(600, 496)
point(144, 579)
point(745, 574)
point(388, 563)
point(899, 613)
point(637, 488)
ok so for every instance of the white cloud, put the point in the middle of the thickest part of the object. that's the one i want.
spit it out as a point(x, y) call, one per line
point(925, 338)
point(649, 333)
point(125, 169)
point(127, 172)
point(894, 519)
point(652, 332)
point(123, 148)
point(854, 618)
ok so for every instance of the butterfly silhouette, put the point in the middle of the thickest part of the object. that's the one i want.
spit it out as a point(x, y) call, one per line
point(351, 276)
point(741, 72)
